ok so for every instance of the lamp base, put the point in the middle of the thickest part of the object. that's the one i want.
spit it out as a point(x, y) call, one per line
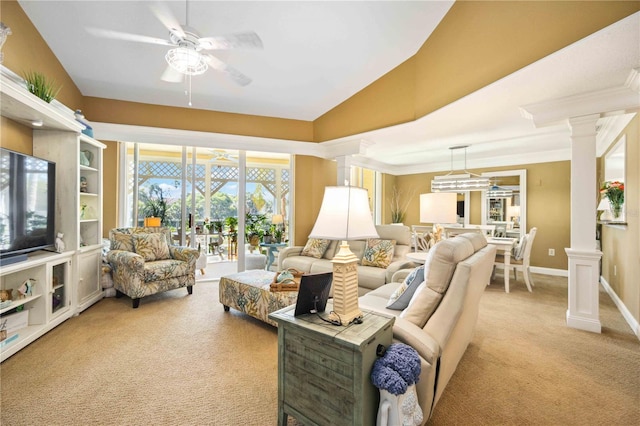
point(345, 286)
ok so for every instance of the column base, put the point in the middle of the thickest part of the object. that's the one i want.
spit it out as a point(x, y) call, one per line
point(584, 274)
point(586, 324)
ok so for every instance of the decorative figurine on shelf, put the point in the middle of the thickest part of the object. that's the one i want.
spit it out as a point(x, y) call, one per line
point(83, 184)
point(26, 289)
point(83, 211)
point(6, 294)
point(88, 130)
point(4, 32)
point(85, 158)
point(59, 243)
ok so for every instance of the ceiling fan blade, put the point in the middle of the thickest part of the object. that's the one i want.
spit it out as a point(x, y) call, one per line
point(172, 75)
point(164, 15)
point(117, 35)
point(233, 73)
point(244, 40)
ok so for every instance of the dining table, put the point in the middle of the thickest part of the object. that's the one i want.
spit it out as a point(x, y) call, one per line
point(504, 245)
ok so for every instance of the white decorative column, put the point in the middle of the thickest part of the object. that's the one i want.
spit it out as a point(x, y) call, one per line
point(344, 170)
point(583, 311)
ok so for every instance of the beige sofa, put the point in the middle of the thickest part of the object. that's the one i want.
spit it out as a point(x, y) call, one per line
point(457, 271)
point(369, 277)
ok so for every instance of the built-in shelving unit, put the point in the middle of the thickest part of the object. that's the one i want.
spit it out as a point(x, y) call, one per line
point(65, 283)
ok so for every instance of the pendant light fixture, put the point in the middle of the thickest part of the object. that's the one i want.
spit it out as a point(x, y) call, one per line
point(459, 182)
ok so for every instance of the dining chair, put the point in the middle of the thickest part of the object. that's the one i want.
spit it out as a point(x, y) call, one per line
point(520, 260)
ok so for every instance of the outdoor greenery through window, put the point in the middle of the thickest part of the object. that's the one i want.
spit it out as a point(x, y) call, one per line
point(160, 181)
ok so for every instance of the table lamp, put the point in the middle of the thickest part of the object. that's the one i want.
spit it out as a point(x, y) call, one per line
point(344, 215)
point(277, 219)
point(513, 212)
point(438, 208)
point(605, 207)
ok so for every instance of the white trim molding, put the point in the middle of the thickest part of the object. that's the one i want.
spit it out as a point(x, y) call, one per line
point(626, 314)
point(613, 101)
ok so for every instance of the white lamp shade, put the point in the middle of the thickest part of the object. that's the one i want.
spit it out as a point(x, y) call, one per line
point(438, 207)
point(344, 215)
point(604, 205)
point(513, 211)
point(277, 219)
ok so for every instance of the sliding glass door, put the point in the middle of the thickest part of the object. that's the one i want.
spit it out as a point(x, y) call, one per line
point(195, 191)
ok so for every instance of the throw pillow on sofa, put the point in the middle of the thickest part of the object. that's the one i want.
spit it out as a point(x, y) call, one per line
point(151, 246)
point(378, 252)
point(400, 298)
point(315, 247)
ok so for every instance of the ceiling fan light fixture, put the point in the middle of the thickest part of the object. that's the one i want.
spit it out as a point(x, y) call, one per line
point(187, 61)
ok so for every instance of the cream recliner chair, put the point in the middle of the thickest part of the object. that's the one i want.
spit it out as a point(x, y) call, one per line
point(144, 262)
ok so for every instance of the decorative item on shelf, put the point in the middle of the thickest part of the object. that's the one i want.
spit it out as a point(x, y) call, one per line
point(6, 294)
point(86, 157)
point(4, 32)
point(83, 211)
point(60, 246)
point(83, 184)
point(345, 215)
point(40, 86)
point(614, 192)
point(88, 130)
point(26, 289)
point(3, 330)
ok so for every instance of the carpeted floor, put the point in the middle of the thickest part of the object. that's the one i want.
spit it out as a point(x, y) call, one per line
point(181, 360)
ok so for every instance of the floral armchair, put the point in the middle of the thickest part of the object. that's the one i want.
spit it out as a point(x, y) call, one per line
point(144, 262)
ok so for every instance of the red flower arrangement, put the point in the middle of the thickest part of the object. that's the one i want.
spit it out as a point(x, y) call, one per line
point(614, 191)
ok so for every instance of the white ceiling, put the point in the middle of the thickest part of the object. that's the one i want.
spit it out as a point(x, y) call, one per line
point(317, 54)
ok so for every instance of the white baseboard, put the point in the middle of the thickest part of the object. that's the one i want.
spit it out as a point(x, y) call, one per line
point(550, 271)
point(633, 323)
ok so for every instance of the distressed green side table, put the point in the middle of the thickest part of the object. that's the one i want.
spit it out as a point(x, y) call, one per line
point(323, 369)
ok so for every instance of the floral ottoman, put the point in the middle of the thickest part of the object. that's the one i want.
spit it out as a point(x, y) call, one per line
point(249, 292)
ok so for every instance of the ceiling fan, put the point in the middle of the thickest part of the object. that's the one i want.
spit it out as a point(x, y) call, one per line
point(187, 56)
point(222, 155)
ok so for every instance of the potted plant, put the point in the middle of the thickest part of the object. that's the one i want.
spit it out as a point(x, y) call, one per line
point(277, 235)
point(44, 88)
point(154, 203)
point(232, 223)
point(254, 225)
point(268, 234)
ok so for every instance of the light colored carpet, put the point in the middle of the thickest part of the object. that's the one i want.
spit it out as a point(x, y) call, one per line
point(181, 360)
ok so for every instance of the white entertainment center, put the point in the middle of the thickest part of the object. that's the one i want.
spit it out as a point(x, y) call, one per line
point(66, 283)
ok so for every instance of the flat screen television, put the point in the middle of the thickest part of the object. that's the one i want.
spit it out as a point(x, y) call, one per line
point(27, 205)
point(313, 293)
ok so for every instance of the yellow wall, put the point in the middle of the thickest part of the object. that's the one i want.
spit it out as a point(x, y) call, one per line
point(620, 244)
point(477, 43)
point(110, 187)
point(25, 50)
point(16, 136)
point(139, 114)
point(311, 175)
point(548, 206)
